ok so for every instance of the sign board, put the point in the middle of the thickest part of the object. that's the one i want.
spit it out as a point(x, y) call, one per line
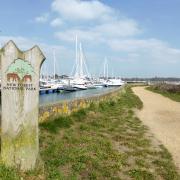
point(20, 103)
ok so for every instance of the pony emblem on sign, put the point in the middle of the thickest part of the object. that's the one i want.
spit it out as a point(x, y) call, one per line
point(20, 70)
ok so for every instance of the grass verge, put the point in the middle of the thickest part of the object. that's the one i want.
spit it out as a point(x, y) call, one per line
point(104, 141)
point(175, 96)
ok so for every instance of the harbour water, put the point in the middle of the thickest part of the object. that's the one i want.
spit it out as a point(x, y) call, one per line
point(56, 97)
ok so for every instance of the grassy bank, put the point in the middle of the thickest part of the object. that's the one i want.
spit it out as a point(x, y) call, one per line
point(170, 91)
point(105, 141)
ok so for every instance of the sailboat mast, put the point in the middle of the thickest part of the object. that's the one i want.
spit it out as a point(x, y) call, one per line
point(76, 54)
point(54, 57)
point(77, 59)
point(104, 73)
point(107, 69)
point(112, 72)
point(81, 61)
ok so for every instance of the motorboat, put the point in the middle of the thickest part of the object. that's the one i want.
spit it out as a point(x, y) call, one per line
point(80, 86)
point(114, 82)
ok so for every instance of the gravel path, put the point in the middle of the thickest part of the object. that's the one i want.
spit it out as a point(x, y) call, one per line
point(162, 116)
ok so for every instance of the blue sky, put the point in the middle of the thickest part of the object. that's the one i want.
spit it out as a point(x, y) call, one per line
point(139, 37)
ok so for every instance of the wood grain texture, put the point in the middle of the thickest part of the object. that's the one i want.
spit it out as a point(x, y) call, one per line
point(20, 101)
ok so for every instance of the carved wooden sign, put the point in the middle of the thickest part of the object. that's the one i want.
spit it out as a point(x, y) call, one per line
point(20, 103)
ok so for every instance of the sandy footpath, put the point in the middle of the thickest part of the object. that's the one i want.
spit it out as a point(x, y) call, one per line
point(162, 116)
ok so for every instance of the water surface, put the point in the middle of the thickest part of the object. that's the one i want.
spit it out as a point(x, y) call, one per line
point(56, 97)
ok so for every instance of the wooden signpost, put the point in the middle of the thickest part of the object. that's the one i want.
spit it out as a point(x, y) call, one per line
point(20, 103)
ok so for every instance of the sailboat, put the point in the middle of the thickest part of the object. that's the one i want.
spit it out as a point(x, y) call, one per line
point(51, 84)
point(115, 81)
point(44, 84)
point(108, 82)
point(101, 82)
point(56, 84)
point(79, 80)
point(69, 87)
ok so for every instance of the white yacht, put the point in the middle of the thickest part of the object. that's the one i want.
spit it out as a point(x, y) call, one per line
point(114, 82)
point(80, 71)
point(79, 83)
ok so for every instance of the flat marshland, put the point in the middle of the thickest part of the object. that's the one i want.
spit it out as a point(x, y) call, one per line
point(104, 141)
point(167, 90)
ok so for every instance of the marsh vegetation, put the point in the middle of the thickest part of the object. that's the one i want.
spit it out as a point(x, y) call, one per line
point(167, 90)
point(104, 141)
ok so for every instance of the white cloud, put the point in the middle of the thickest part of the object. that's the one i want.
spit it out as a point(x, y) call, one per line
point(119, 28)
point(133, 45)
point(81, 10)
point(102, 33)
point(91, 21)
point(155, 50)
point(107, 32)
point(64, 56)
point(26, 43)
point(84, 35)
point(42, 19)
point(23, 43)
point(57, 22)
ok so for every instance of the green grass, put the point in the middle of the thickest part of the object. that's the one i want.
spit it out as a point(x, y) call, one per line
point(104, 141)
point(171, 95)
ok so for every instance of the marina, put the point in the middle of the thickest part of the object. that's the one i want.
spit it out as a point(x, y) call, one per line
point(79, 84)
point(50, 98)
point(89, 89)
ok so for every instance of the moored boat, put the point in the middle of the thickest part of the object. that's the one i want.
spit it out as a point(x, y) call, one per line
point(114, 82)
